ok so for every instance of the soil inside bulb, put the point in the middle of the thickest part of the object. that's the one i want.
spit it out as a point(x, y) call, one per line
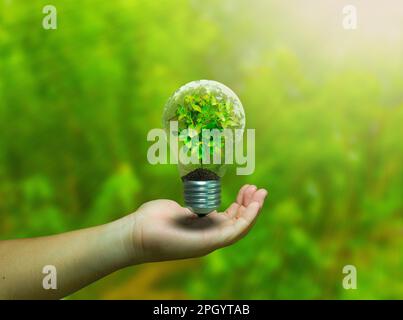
point(200, 175)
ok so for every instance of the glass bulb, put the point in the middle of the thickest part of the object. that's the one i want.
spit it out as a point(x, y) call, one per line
point(197, 107)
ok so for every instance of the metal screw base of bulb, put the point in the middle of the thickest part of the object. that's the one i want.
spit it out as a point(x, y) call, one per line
point(202, 197)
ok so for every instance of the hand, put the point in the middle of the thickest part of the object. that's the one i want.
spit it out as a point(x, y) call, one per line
point(158, 230)
point(163, 230)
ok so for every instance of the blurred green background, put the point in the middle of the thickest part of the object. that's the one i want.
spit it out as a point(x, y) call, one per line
point(76, 104)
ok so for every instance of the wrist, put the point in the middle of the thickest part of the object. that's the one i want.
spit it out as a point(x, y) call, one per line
point(113, 243)
point(122, 245)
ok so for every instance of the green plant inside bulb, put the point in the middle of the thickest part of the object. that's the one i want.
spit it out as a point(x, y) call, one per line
point(199, 107)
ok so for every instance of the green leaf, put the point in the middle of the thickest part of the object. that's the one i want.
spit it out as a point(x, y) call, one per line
point(196, 107)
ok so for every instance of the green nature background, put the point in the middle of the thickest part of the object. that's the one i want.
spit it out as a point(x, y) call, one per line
point(76, 105)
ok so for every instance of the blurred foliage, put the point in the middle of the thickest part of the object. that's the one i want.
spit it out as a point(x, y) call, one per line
point(76, 104)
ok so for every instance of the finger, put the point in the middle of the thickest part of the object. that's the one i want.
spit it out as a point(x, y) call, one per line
point(248, 215)
point(248, 194)
point(239, 198)
point(189, 213)
point(259, 196)
point(219, 217)
point(232, 211)
point(241, 226)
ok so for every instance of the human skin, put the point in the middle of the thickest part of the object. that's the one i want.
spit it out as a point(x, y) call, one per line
point(159, 230)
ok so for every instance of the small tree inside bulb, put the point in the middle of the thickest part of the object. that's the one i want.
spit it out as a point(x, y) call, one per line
point(204, 110)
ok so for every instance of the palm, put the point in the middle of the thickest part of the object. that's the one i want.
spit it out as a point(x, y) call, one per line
point(165, 230)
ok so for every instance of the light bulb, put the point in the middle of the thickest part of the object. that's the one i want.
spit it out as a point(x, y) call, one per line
point(198, 107)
